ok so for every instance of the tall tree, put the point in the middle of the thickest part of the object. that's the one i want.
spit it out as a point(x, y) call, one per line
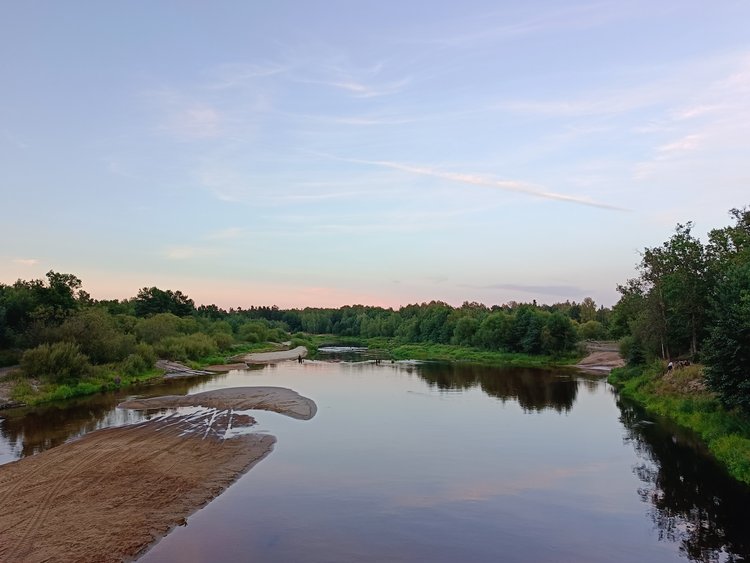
point(152, 301)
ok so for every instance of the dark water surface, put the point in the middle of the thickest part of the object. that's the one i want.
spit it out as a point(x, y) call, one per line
point(435, 462)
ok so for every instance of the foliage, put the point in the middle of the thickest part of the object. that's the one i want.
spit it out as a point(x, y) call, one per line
point(152, 301)
point(57, 362)
point(448, 352)
point(727, 350)
point(97, 334)
point(678, 395)
point(158, 327)
point(186, 347)
point(692, 300)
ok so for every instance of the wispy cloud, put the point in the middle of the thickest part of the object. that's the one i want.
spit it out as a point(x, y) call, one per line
point(477, 180)
point(494, 27)
point(26, 261)
point(680, 146)
point(360, 89)
point(715, 120)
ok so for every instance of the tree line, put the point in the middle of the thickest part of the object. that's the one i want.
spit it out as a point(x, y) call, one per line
point(691, 301)
point(56, 329)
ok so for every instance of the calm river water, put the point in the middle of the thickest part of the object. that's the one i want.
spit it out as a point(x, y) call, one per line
point(436, 462)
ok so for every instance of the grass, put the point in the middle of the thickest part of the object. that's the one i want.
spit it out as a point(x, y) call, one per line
point(397, 350)
point(681, 397)
point(452, 353)
point(33, 392)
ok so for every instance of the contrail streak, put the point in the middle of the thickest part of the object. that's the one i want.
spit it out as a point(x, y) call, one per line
point(508, 185)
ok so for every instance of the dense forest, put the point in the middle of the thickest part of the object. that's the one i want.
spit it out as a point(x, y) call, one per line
point(61, 336)
point(44, 318)
point(689, 301)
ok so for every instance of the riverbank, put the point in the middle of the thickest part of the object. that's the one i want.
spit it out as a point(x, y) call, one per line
point(682, 397)
point(18, 390)
point(111, 494)
point(394, 349)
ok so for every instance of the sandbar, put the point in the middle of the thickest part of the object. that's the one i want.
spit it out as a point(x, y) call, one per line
point(113, 493)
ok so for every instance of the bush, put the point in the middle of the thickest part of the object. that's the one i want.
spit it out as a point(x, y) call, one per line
point(158, 327)
point(223, 340)
point(134, 364)
point(276, 335)
point(147, 353)
point(98, 335)
point(632, 351)
point(188, 347)
point(57, 362)
point(253, 332)
point(592, 330)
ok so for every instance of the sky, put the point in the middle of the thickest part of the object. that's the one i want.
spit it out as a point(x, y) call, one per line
point(324, 153)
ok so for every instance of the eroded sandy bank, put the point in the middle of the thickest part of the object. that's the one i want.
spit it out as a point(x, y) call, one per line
point(111, 494)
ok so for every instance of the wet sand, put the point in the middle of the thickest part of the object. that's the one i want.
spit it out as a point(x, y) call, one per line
point(113, 493)
point(276, 399)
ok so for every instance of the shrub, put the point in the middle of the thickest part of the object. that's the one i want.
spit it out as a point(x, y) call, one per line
point(592, 330)
point(133, 365)
point(223, 340)
point(158, 327)
point(56, 362)
point(188, 347)
point(147, 354)
point(253, 332)
point(98, 335)
point(632, 351)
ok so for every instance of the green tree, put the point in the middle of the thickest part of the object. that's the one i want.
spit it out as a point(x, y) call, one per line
point(152, 301)
point(727, 350)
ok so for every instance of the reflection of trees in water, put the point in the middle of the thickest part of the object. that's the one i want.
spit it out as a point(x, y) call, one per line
point(33, 430)
point(691, 500)
point(534, 389)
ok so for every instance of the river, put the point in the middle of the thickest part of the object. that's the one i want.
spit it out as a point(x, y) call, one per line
point(441, 462)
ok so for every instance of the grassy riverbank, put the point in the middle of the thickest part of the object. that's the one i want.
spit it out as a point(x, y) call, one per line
point(35, 391)
point(682, 397)
point(397, 350)
point(32, 392)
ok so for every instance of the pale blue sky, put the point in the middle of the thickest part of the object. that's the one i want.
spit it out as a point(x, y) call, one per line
point(329, 153)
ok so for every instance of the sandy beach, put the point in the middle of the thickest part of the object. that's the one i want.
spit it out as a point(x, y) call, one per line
point(270, 357)
point(111, 494)
point(603, 357)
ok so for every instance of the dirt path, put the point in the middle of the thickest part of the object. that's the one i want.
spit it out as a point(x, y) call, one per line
point(111, 494)
point(270, 357)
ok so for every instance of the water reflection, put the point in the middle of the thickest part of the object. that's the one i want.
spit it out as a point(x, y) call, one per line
point(533, 389)
point(29, 431)
point(691, 500)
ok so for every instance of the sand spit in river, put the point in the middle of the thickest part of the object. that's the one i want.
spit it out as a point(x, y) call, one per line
point(111, 494)
point(277, 399)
